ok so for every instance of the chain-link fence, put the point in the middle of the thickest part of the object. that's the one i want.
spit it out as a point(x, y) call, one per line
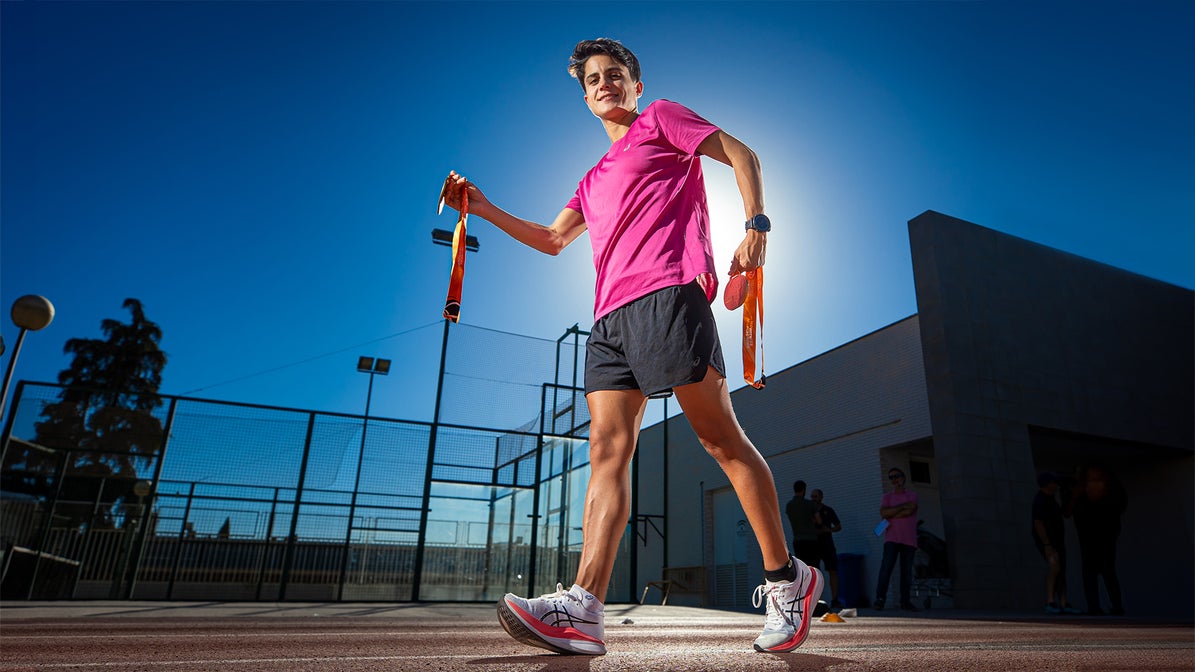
point(201, 499)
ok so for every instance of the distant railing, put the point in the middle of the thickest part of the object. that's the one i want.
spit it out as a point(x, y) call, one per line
point(282, 530)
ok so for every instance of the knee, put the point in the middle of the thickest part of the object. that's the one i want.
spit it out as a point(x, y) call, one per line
point(725, 445)
point(714, 448)
point(611, 452)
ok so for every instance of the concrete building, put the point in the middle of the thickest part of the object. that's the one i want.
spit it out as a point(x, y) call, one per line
point(1020, 359)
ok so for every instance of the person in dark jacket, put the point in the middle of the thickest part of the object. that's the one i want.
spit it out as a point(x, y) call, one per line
point(1098, 502)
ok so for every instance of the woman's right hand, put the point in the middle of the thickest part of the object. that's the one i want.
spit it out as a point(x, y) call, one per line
point(452, 192)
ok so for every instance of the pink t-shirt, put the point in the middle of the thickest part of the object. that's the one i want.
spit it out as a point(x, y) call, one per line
point(644, 204)
point(901, 530)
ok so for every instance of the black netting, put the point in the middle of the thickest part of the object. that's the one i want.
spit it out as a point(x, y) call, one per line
point(493, 379)
point(199, 499)
point(245, 445)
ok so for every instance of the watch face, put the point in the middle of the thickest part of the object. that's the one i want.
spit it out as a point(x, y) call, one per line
point(760, 223)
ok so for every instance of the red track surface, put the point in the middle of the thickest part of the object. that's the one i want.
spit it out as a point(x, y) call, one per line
point(259, 637)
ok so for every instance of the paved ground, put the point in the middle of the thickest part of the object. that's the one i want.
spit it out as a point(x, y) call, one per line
point(294, 637)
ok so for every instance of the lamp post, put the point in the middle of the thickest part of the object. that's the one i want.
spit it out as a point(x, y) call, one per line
point(30, 313)
point(135, 547)
point(372, 366)
point(439, 237)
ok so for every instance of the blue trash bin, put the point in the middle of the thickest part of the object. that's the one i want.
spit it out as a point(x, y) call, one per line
point(850, 579)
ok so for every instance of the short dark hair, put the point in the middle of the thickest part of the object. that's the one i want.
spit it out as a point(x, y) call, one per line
point(602, 45)
point(799, 486)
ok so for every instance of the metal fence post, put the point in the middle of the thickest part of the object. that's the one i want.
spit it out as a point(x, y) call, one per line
point(95, 511)
point(348, 533)
point(178, 549)
point(291, 539)
point(534, 515)
point(420, 547)
point(265, 551)
point(489, 533)
point(147, 510)
point(45, 530)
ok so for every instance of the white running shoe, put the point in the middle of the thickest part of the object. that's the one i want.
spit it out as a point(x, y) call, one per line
point(790, 605)
point(566, 621)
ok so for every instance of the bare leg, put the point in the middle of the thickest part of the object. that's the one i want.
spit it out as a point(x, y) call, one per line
point(614, 428)
point(1055, 569)
point(708, 409)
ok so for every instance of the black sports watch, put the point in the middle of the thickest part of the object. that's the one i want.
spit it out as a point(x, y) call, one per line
point(760, 223)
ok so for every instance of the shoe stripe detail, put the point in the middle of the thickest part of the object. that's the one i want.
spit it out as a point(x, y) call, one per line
point(787, 645)
point(811, 597)
point(515, 628)
point(552, 630)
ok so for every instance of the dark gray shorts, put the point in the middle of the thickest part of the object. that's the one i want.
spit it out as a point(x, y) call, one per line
point(655, 343)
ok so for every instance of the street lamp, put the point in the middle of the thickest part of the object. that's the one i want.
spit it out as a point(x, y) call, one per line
point(444, 237)
point(30, 313)
point(439, 237)
point(372, 366)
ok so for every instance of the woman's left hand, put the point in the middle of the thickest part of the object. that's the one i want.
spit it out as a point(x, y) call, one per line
point(750, 254)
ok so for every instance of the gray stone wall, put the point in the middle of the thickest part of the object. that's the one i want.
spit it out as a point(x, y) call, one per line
point(1014, 335)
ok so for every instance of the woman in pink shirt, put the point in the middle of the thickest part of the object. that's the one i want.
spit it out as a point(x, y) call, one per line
point(899, 508)
point(644, 205)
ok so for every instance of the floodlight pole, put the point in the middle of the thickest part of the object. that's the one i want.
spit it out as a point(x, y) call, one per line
point(472, 245)
point(373, 367)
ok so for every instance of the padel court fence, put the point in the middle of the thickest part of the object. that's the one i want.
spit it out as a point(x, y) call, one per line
point(201, 499)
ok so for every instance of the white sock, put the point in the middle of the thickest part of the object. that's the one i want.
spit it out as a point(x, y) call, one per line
point(588, 599)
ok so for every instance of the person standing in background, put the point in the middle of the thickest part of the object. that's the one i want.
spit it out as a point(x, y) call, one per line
point(1049, 535)
point(827, 524)
point(802, 516)
point(1098, 502)
point(899, 508)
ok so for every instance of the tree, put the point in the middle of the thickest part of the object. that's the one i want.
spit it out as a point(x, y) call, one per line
point(103, 425)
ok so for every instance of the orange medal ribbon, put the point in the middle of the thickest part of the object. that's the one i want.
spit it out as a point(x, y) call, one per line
point(752, 308)
point(452, 305)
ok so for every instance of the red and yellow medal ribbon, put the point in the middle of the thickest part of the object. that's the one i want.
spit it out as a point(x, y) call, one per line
point(753, 326)
point(452, 305)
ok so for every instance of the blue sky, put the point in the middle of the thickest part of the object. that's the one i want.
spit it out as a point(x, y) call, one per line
point(263, 176)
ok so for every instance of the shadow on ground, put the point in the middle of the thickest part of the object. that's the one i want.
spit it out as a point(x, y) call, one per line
point(548, 662)
point(552, 662)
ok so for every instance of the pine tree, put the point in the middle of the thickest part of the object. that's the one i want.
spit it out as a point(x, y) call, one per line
point(104, 419)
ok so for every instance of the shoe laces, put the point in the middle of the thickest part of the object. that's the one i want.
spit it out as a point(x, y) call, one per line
point(777, 615)
point(561, 594)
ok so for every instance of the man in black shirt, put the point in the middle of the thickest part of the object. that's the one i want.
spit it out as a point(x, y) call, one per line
point(828, 524)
